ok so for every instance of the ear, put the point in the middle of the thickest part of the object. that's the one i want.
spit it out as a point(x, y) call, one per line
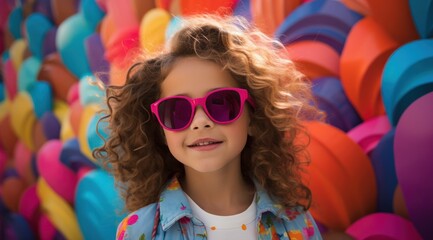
point(250, 130)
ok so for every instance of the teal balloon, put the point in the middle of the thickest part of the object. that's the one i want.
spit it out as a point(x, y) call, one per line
point(5, 56)
point(42, 98)
point(28, 72)
point(97, 205)
point(14, 22)
point(70, 44)
point(97, 132)
point(37, 25)
point(2, 92)
point(173, 26)
point(92, 13)
point(90, 90)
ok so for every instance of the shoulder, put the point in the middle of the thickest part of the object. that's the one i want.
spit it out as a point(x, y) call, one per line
point(299, 222)
point(138, 224)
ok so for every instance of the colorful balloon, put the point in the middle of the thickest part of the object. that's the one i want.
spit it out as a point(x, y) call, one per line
point(36, 27)
point(152, 29)
point(70, 44)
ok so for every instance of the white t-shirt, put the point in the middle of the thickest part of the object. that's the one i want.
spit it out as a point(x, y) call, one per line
point(242, 226)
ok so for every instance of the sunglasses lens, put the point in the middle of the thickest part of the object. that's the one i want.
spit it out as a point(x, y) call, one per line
point(175, 113)
point(224, 106)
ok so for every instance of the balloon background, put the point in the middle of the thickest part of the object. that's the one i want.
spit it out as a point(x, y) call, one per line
point(370, 62)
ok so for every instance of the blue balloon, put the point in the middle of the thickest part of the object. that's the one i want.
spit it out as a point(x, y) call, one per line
point(173, 27)
point(243, 9)
point(422, 15)
point(42, 98)
point(72, 157)
point(28, 73)
point(14, 22)
point(97, 131)
point(97, 205)
point(2, 92)
point(330, 98)
point(90, 90)
point(92, 13)
point(18, 224)
point(382, 159)
point(37, 26)
point(70, 44)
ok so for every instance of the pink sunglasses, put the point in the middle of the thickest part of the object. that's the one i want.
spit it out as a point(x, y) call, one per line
point(222, 106)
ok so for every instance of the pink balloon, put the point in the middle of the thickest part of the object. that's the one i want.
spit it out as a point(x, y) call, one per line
point(29, 207)
point(3, 160)
point(413, 150)
point(73, 94)
point(23, 159)
point(10, 78)
point(383, 226)
point(47, 231)
point(122, 13)
point(369, 133)
point(58, 176)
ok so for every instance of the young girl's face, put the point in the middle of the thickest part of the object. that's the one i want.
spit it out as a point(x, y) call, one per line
point(204, 146)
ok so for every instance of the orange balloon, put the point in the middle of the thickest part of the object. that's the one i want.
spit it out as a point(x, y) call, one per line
point(76, 111)
point(341, 177)
point(12, 189)
point(142, 7)
point(59, 77)
point(359, 6)
point(399, 204)
point(395, 17)
point(221, 7)
point(268, 15)
point(117, 75)
point(107, 29)
point(8, 138)
point(362, 61)
point(314, 59)
point(122, 13)
point(23, 163)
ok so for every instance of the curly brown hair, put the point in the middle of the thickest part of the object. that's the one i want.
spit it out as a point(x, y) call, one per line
point(135, 151)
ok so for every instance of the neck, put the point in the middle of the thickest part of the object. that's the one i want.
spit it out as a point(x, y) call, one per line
point(220, 193)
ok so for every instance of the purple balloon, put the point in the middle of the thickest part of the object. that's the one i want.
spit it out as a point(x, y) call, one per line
point(44, 7)
point(50, 125)
point(95, 54)
point(413, 149)
point(49, 43)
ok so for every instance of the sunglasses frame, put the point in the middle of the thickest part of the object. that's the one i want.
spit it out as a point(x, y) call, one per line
point(194, 102)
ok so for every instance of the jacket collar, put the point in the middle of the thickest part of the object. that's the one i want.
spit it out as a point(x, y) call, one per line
point(174, 205)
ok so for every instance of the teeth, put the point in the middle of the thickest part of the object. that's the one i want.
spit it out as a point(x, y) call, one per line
point(203, 143)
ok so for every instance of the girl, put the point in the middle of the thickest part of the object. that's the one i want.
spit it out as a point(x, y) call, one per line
point(202, 139)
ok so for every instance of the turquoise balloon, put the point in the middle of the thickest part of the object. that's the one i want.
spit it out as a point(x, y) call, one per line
point(70, 44)
point(2, 92)
point(28, 72)
point(92, 13)
point(90, 90)
point(42, 98)
point(173, 26)
point(5, 56)
point(97, 205)
point(422, 15)
point(14, 22)
point(97, 130)
point(37, 25)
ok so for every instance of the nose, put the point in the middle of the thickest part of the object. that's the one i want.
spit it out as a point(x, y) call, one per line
point(201, 120)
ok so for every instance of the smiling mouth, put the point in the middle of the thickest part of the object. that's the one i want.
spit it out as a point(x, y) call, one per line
point(201, 144)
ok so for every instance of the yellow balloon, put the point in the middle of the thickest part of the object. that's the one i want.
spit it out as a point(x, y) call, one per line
point(60, 213)
point(60, 109)
point(152, 29)
point(88, 112)
point(23, 118)
point(4, 108)
point(16, 52)
point(66, 131)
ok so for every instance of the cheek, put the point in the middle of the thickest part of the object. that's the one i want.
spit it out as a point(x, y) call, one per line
point(173, 140)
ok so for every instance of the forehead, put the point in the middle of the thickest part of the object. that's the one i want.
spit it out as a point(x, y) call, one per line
point(194, 77)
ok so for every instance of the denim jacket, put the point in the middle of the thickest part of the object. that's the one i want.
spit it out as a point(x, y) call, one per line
point(177, 222)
